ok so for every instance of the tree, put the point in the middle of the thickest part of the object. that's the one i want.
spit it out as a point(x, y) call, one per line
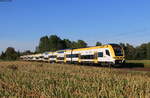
point(129, 51)
point(18, 54)
point(27, 52)
point(55, 43)
point(68, 43)
point(11, 54)
point(61, 45)
point(81, 44)
point(44, 44)
point(141, 52)
point(98, 44)
point(3, 55)
point(148, 51)
point(74, 44)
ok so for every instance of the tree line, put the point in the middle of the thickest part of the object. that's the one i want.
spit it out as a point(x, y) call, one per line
point(54, 43)
point(141, 52)
point(11, 54)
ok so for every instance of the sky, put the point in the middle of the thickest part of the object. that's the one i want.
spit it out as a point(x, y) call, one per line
point(23, 22)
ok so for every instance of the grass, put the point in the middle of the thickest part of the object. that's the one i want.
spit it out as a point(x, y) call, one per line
point(146, 63)
point(33, 79)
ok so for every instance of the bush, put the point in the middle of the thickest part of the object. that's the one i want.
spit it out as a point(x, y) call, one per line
point(10, 54)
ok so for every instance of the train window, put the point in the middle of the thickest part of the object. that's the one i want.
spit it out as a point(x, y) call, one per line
point(68, 56)
point(107, 52)
point(100, 54)
point(87, 57)
point(75, 55)
point(60, 58)
point(60, 52)
point(82, 56)
point(52, 56)
point(46, 58)
point(91, 56)
point(118, 50)
point(41, 56)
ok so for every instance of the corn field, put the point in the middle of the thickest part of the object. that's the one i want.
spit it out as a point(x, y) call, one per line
point(35, 79)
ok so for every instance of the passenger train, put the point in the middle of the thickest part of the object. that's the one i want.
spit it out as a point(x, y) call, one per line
point(106, 55)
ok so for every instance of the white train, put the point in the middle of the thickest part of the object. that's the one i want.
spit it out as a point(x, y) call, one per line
point(110, 54)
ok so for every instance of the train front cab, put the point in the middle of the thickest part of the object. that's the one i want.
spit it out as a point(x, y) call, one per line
point(117, 54)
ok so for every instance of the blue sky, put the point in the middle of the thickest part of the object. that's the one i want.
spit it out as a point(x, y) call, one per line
point(23, 22)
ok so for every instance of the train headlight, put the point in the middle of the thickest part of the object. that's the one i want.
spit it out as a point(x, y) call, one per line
point(118, 58)
point(115, 57)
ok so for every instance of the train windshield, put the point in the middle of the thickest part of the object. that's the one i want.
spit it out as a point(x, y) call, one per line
point(118, 50)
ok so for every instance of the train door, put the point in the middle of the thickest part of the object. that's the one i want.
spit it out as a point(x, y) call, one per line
point(107, 55)
point(96, 57)
point(79, 58)
point(100, 56)
point(65, 58)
